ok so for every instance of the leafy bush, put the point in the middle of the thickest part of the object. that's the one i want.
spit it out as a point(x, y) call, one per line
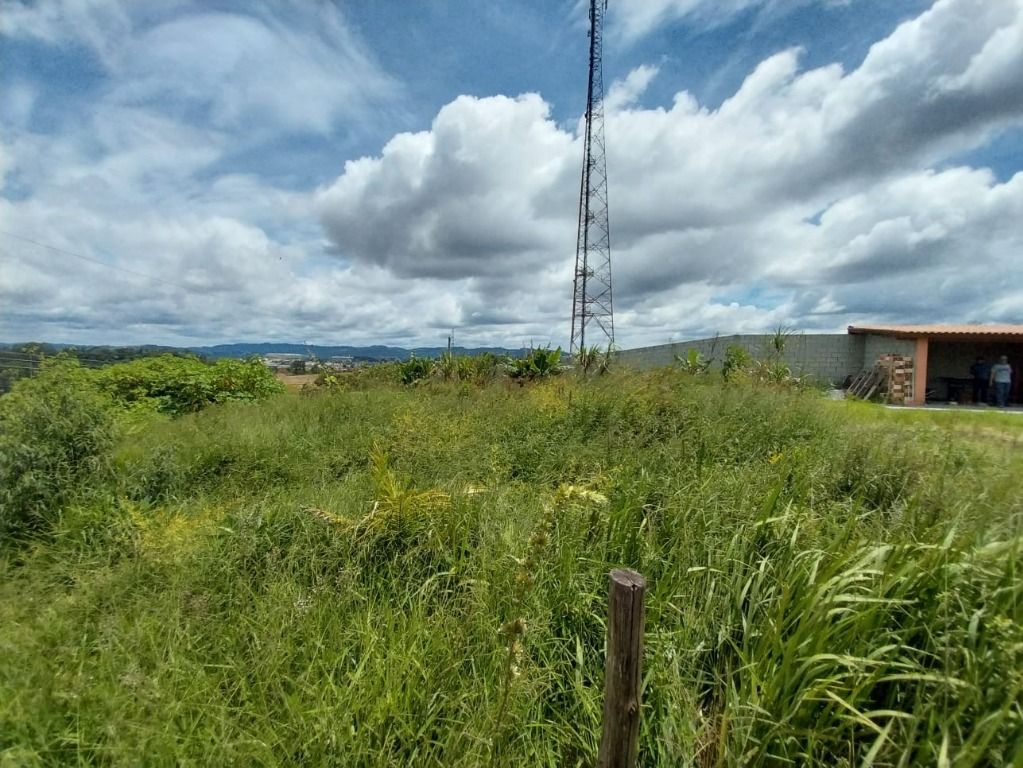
point(773, 369)
point(540, 363)
point(737, 362)
point(447, 366)
point(56, 440)
point(12, 368)
point(484, 368)
point(415, 369)
point(474, 369)
point(363, 377)
point(177, 385)
point(772, 372)
point(242, 380)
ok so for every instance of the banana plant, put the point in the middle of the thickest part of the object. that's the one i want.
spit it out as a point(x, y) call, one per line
point(539, 363)
point(693, 362)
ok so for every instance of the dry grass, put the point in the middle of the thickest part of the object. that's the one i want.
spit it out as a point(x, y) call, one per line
point(297, 382)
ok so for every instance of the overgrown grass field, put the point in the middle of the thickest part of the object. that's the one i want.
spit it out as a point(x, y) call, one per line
point(397, 575)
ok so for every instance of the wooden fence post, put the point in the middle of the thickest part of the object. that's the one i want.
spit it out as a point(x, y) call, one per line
point(619, 741)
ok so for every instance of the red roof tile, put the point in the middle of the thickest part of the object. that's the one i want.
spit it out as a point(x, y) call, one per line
point(940, 330)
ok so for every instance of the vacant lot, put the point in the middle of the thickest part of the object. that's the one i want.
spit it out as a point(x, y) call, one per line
point(295, 382)
point(336, 579)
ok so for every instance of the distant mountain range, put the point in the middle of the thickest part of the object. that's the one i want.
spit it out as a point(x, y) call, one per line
point(371, 353)
point(375, 352)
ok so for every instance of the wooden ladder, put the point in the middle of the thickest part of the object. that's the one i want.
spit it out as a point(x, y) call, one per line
point(868, 382)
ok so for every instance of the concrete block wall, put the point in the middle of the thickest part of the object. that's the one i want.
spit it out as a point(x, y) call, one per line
point(826, 356)
point(875, 346)
point(833, 357)
point(829, 357)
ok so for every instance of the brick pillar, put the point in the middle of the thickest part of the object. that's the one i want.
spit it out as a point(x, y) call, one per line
point(920, 372)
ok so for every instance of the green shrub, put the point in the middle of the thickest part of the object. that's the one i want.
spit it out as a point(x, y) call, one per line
point(481, 369)
point(415, 369)
point(448, 367)
point(242, 380)
point(56, 440)
point(177, 385)
point(772, 372)
point(693, 363)
point(829, 583)
point(737, 362)
point(539, 363)
point(363, 377)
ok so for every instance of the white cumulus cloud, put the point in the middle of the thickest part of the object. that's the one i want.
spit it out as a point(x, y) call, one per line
point(811, 197)
point(714, 209)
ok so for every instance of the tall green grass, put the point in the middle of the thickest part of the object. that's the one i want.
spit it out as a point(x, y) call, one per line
point(324, 580)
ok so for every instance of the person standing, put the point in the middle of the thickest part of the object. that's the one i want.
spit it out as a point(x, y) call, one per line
point(1001, 380)
point(980, 371)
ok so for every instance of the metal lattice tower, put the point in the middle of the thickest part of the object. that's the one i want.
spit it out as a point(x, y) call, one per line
point(592, 311)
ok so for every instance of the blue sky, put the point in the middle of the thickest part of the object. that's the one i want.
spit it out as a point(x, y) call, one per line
point(385, 171)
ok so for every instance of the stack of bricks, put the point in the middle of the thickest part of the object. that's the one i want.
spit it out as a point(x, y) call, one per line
point(899, 377)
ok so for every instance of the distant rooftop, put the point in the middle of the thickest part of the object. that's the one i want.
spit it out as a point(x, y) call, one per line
point(948, 331)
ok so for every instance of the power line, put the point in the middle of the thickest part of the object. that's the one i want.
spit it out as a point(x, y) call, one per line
point(44, 355)
point(41, 355)
point(92, 260)
point(8, 354)
point(4, 357)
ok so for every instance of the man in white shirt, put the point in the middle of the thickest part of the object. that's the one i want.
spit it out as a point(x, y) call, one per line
point(1001, 380)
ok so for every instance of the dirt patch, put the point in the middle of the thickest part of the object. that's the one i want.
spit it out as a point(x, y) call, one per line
point(295, 382)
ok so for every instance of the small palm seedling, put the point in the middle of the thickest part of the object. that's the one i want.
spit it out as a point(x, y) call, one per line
point(398, 506)
point(779, 342)
point(694, 363)
point(593, 360)
point(400, 512)
point(586, 359)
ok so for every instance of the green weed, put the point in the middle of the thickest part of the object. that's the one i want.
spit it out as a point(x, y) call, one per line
point(390, 575)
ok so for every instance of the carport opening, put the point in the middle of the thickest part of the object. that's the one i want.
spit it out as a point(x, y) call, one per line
point(949, 378)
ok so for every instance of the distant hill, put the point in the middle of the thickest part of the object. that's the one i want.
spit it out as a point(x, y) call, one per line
point(88, 352)
point(375, 352)
point(371, 353)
